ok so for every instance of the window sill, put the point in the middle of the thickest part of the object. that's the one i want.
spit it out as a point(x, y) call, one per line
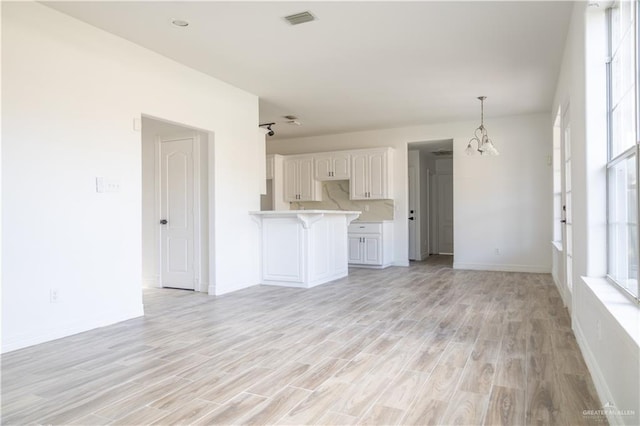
point(624, 310)
point(557, 245)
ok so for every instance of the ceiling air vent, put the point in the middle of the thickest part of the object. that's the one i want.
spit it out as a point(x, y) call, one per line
point(442, 152)
point(300, 18)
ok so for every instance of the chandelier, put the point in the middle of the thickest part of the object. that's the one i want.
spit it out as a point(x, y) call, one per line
point(483, 144)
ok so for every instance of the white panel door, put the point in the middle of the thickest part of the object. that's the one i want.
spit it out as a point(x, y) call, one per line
point(341, 166)
point(359, 177)
point(356, 249)
point(445, 214)
point(373, 251)
point(306, 180)
point(377, 175)
point(414, 214)
point(177, 209)
point(323, 168)
point(291, 180)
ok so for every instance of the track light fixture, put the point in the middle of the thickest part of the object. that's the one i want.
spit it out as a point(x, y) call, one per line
point(267, 128)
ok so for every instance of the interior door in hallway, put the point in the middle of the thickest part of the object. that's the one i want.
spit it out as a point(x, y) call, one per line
point(414, 215)
point(445, 213)
point(177, 208)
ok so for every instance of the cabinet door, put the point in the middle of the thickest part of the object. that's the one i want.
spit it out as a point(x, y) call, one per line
point(290, 180)
point(356, 249)
point(341, 166)
point(270, 166)
point(378, 175)
point(306, 181)
point(322, 168)
point(373, 250)
point(358, 181)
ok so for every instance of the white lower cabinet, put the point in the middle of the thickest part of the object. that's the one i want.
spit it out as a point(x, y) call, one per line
point(303, 248)
point(370, 244)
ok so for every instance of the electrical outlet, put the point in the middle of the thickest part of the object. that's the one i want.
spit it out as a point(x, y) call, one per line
point(54, 295)
point(366, 207)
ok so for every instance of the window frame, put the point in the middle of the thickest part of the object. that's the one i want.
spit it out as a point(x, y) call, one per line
point(632, 151)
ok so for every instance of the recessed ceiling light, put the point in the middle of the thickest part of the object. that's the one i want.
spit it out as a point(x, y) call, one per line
point(180, 23)
point(290, 117)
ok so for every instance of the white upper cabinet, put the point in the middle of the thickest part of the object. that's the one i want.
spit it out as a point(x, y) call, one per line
point(299, 182)
point(270, 166)
point(371, 175)
point(332, 166)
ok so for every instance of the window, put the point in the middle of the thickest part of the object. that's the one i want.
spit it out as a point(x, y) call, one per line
point(622, 165)
point(557, 182)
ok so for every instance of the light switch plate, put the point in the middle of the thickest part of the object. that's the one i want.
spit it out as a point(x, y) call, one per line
point(99, 184)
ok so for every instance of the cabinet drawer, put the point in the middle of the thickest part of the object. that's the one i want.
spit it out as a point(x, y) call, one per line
point(365, 228)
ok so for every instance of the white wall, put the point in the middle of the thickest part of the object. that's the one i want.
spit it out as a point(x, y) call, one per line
point(70, 95)
point(607, 335)
point(502, 202)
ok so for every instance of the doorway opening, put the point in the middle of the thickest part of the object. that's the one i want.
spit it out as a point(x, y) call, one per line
point(430, 184)
point(175, 205)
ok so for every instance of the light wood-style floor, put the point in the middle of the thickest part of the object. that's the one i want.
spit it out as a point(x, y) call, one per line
point(418, 345)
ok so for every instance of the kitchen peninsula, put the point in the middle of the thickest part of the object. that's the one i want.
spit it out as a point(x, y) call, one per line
point(303, 248)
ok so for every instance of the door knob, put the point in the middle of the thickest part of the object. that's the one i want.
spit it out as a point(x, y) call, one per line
point(410, 218)
point(163, 222)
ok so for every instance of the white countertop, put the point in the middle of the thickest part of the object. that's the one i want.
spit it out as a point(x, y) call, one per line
point(297, 212)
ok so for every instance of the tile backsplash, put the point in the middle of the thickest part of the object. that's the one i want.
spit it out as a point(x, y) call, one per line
point(335, 196)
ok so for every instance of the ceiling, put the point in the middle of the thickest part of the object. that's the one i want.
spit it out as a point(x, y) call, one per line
point(360, 65)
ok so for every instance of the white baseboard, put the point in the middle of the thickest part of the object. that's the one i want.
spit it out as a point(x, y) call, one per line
point(502, 268)
point(400, 263)
point(596, 374)
point(151, 283)
point(59, 331)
